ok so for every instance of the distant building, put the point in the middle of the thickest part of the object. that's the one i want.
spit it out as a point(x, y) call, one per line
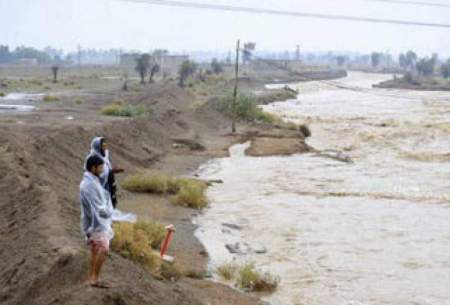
point(263, 64)
point(129, 59)
point(171, 63)
point(28, 61)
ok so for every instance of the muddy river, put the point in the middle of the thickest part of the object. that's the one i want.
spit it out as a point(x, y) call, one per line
point(375, 231)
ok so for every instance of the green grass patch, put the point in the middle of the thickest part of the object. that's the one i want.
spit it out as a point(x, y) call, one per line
point(50, 98)
point(118, 109)
point(246, 108)
point(187, 192)
point(138, 241)
point(147, 182)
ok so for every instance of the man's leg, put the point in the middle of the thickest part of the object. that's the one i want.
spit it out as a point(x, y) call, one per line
point(99, 253)
point(100, 259)
point(93, 278)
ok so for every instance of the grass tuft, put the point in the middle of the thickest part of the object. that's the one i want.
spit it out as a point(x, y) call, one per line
point(171, 271)
point(118, 109)
point(191, 194)
point(135, 241)
point(246, 108)
point(188, 192)
point(227, 271)
point(50, 98)
point(148, 182)
point(2, 94)
point(253, 280)
point(79, 100)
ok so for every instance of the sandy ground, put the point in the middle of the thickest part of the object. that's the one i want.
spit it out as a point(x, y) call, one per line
point(43, 257)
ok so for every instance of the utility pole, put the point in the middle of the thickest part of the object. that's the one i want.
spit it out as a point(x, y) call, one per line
point(233, 124)
point(297, 53)
point(79, 56)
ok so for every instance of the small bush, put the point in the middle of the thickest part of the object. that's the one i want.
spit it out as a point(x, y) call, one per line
point(227, 271)
point(191, 194)
point(117, 109)
point(188, 192)
point(153, 230)
point(147, 183)
point(171, 271)
point(2, 94)
point(50, 98)
point(35, 82)
point(253, 280)
point(79, 101)
point(246, 108)
point(133, 241)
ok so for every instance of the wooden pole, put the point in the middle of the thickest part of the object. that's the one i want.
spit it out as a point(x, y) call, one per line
point(233, 124)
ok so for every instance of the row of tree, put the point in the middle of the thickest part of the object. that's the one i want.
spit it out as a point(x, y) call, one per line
point(409, 61)
point(10, 56)
point(147, 66)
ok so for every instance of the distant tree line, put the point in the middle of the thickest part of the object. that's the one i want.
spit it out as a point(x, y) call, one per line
point(425, 66)
point(11, 56)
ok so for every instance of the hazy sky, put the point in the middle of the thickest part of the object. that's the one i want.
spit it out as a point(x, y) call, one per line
point(115, 23)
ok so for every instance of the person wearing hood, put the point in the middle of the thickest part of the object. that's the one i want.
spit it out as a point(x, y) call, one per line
point(107, 178)
point(96, 217)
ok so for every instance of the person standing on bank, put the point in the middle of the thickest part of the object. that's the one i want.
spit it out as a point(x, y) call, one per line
point(107, 178)
point(96, 218)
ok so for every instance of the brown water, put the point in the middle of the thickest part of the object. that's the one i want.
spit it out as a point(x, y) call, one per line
point(373, 232)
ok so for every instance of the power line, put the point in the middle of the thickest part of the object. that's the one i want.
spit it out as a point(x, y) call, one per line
point(418, 3)
point(221, 7)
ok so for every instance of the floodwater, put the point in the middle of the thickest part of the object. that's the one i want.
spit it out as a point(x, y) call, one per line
point(19, 102)
point(376, 231)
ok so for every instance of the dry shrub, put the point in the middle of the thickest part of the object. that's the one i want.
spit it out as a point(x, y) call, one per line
point(171, 271)
point(251, 279)
point(148, 182)
point(191, 194)
point(188, 192)
point(227, 271)
point(50, 98)
point(134, 241)
point(154, 231)
point(119, 109)
point(79, 100)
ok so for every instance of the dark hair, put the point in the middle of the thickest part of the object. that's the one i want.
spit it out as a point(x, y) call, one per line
point(93, 161)
point(102, 141)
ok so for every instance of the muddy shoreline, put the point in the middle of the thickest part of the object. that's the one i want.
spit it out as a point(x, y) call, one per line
point(43, 259)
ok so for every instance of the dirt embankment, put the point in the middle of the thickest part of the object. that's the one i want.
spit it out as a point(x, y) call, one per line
point(43, 258)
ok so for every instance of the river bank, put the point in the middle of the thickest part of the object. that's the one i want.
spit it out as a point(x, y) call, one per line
point(43, 259)
point(421, 84)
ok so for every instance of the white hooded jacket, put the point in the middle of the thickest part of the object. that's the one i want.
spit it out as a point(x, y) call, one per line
point(96, 207)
